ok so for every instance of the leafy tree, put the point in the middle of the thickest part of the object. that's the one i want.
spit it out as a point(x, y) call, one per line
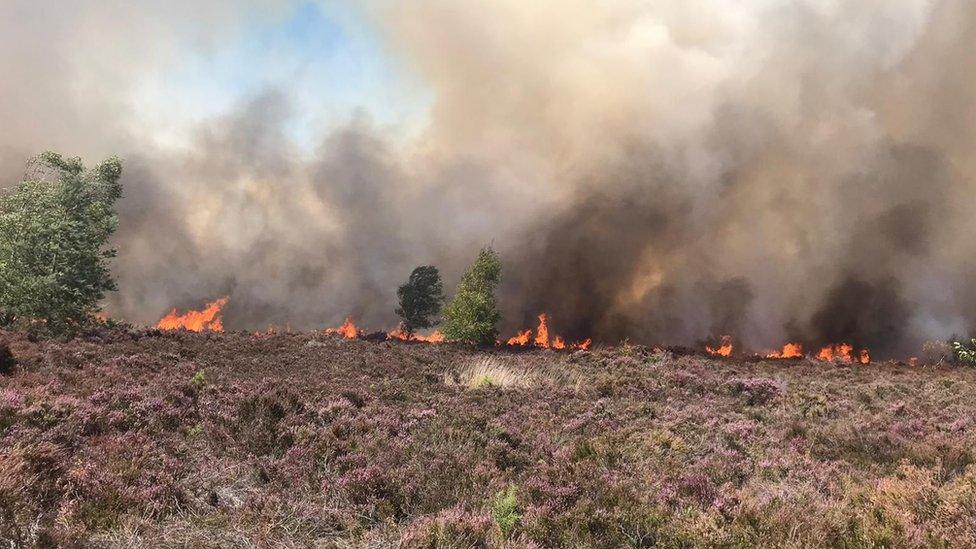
point(472, 314)
point(421, 299)
point(54, 228)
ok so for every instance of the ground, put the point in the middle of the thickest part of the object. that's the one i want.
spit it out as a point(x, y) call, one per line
point(149, 439)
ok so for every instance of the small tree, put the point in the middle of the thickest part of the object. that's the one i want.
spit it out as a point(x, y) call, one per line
point(472, 314)
point(54, 226)
point(421, 299)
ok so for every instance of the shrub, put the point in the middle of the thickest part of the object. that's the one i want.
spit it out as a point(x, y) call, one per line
point(421, 299)
point(53, 231)
point(7, 361)
point(504, 510)
point(964, 353)
point(472, 314)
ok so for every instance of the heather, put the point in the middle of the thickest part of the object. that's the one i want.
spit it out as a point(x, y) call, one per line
point(152, 439)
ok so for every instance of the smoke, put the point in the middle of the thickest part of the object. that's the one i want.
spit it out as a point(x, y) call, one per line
point(659, 171)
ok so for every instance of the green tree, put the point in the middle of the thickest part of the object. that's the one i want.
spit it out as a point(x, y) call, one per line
point(421, 299)
point(472, 314)
point(54, 228)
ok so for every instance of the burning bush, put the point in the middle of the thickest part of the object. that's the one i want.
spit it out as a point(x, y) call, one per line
point(53, 231)
point(473, 315)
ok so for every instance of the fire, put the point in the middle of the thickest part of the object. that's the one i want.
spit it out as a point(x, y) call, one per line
point(724, 350)
point(790, 350)
point(542, 339)
point(521, 339)
point(209, 319)
point(542, 332)
point(348, 330)
point(399, 333)
point(843, 353)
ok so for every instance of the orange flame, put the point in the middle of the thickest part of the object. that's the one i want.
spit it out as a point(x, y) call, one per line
point(542, 332)
point(209, 319)
point(841, 353)
point(583, 345)
point(402, 335)
point(724, 350)
point(790, 350)
point(521, 339)
point(864, 357)
point(348, 330)
point(542, 338)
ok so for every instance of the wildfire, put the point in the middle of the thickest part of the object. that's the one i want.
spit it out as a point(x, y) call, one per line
point(724, 350)
point(843, 353)
point(790, 350)
point(542, 340)
point(399, 333)
point(348, 330)
point(209, 319)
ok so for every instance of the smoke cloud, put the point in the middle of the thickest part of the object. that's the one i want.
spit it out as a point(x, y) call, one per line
point(665, 172)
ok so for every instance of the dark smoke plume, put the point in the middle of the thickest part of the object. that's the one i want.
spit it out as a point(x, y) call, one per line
point(665, 172)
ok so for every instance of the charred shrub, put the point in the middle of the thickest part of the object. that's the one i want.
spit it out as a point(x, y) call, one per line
point(7, 361)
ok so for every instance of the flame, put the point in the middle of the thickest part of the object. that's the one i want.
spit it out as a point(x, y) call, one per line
point(402, 335)
point(844, 353)
point(583, 345)
point(209, 319)
point(790, 350)
point(542, 332)
point(521, 339)
point(542, 338)
point(348, 330)
point(724, 350)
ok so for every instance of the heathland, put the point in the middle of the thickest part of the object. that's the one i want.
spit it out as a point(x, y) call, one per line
point(129, 438)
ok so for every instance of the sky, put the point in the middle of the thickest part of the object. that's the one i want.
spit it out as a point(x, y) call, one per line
point(323, 55)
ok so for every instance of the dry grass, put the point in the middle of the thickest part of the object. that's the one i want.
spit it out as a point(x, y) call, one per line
point(491, 372)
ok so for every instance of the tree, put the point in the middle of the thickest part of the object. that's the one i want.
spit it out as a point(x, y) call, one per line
point(54, 228)
point(472, 314)
point(421, 299)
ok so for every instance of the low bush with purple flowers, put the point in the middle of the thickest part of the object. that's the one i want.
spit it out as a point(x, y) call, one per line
point(146, 439)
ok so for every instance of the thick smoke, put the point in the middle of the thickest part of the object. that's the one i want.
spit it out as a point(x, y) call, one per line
point(665, 172)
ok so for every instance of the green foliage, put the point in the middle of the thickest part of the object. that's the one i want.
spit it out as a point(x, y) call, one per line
point(421, 299)
point(199, 379)
point(505, 509)
point(964, 353)
point(54, 228)
point(473, 315)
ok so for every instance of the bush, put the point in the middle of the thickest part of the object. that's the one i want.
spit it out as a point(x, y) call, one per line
point(421, 299)
point(504, 510)
point(473, 315)
point(53, 231)
point(7, 361)
point(965, 354)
